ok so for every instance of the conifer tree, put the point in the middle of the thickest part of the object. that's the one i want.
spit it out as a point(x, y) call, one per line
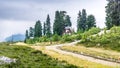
point(31, 32)
point(26, 35)
point(90, 22)
point(79, 21)
point(44, 28)
point(48, 27)
point(68, 21)
point(112, 13)
point(38, 29)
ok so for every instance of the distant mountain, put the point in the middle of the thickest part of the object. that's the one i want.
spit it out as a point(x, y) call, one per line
point(16, 37)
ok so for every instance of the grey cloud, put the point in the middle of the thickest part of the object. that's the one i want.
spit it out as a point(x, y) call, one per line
point(20, 11)
point(26, 9)
point(36, 1)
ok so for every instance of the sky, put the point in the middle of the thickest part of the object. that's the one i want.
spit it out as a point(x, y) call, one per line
point(18, 15)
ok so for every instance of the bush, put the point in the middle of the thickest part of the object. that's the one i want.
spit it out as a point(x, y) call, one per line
point(55, 37)
point(86, 36)
point(66, 38)
point(44, 39)
point(104, 40)
point(115, 29)
point(79, 36)
point(30, 41)
point(92, 31)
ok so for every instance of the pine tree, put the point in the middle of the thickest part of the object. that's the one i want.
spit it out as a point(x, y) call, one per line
point(62, 20)
point(38, 29)
point(31, 32)
point(67, 21)
point(58, 25)
point(79, 21)
point(44, 28)
point(109, 9)
point(48, 27)
point(90, 22)
point(112, 13)
point(26, 35)
point(83, 20)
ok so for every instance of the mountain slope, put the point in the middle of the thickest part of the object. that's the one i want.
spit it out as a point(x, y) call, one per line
point(16, 37)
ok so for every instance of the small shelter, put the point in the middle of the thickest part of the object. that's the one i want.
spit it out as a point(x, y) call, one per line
point(68, 30)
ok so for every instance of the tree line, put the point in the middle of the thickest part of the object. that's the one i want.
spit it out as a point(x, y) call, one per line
point(61, 21)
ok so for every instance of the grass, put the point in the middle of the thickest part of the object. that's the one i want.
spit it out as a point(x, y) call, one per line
point(95, 52)
point(37, 44)
point(70, 59)
point(29, 58)
point(73, 60)
point(46, 43)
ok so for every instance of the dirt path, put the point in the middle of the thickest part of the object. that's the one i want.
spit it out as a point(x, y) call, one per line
point(55, 48)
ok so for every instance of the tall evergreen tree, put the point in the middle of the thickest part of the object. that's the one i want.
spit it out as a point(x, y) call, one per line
point(38, 29)
point(31, 32)
point(48, 27)
point(59, 22)
point(44, 28)
point(79, 21)
point(91, 22)
point(56, 25)
point(113, 13)
point(83, 20)
point(26, 35)
point(109, 10)
point(62, 20)
point(67, 21)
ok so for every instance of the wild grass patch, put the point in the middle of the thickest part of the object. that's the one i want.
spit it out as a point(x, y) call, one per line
point(29, 58)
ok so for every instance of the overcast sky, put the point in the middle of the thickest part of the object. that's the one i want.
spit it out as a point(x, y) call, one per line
point(18, 15)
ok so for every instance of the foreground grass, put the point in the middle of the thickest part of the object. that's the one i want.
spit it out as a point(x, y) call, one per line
point(29, 58)
point(45, 43)
point(95, 52)
point(72, 60)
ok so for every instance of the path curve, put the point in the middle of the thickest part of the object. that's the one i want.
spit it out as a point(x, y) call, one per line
point(55, 48)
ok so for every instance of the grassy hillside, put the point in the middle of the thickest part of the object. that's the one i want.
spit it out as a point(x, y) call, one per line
point(29, 58)
point(109, 40)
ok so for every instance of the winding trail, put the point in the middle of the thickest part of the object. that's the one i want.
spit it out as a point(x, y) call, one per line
point(56, 48)
point(91, 59)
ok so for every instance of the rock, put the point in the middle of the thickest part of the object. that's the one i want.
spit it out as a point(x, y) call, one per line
point(6, 60)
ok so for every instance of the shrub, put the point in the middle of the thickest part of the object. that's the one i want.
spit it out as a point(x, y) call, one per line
point(104, 40)
point(86, 36)
point(79, 36)
point(92, 31)
point(56, 37)
point(30, 41)
point(115, 29)
point(66, 38)
point(44, 39)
